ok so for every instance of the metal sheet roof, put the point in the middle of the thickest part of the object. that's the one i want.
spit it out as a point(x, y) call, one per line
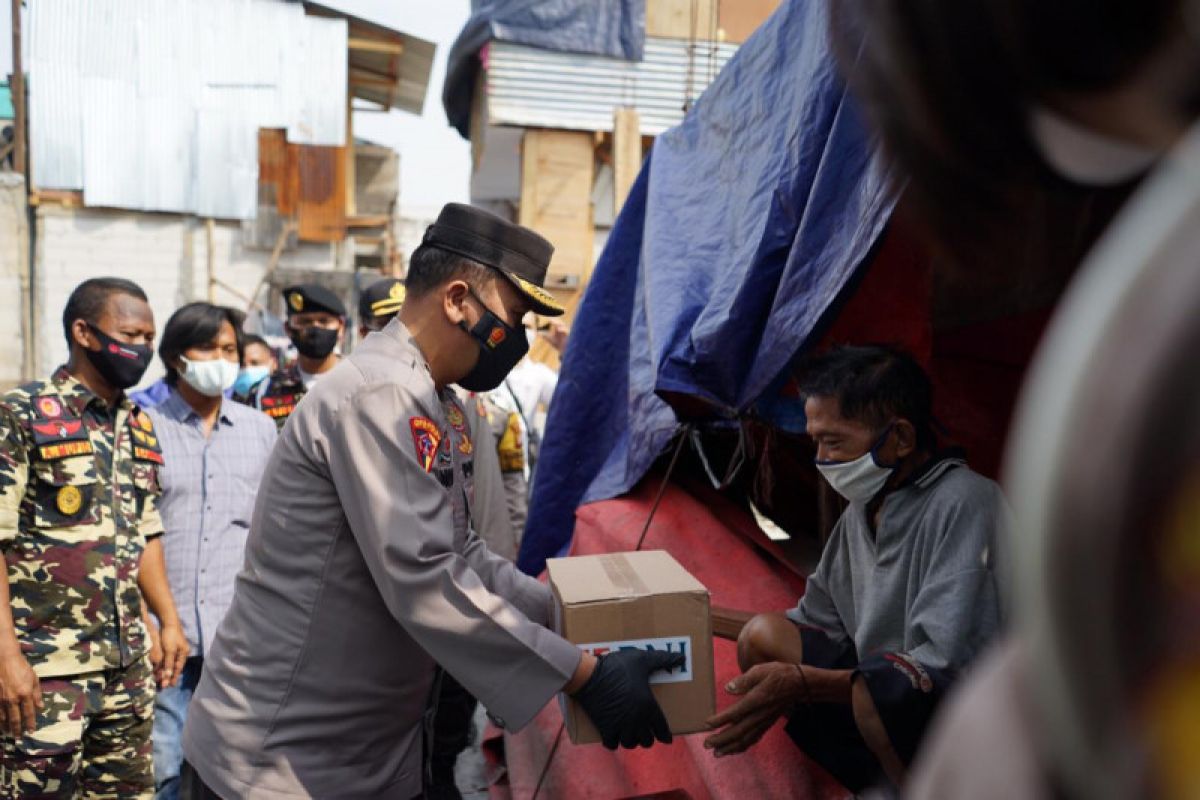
point(532, 87)
point(156, 104)
point(387, 66)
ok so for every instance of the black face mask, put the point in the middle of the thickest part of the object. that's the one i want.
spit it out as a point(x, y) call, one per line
point(121, 365)
point(501, 347)
point(314, 342)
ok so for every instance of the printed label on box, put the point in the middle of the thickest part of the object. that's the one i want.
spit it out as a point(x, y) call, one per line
point(671, 644)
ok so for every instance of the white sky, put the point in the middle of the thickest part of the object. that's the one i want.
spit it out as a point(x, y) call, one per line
point(435, 161)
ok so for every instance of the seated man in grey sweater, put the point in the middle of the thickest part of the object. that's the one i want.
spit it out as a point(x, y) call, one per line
point(905, 594)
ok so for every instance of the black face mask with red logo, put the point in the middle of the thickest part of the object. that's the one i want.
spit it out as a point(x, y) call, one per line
point(501, 347)
point(121, 365)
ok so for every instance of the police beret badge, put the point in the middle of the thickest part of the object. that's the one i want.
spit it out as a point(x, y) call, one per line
point(296, 301)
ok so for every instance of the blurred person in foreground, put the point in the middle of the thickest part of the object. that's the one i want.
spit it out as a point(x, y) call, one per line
point(214, 453)
point(988, 107)
point(81, 535)
point(905, 594)
point(363, 571)
point(316, 323)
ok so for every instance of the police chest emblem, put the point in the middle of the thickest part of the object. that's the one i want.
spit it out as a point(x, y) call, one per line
point(426, 438)
point(69, 500)
point(455, 416)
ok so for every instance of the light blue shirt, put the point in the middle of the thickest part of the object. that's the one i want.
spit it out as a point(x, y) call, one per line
point(208, 484)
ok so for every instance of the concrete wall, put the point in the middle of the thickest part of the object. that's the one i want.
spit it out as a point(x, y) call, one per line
point(14, 264)
point(165, 254)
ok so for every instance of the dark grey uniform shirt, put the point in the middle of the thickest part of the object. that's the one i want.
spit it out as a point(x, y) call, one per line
point(361, 571)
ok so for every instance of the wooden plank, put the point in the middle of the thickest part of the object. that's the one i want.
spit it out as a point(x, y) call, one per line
point(367, 221)
point(67, 198)
point(351, 180)
point(557, 171)
point(681, 19)
point(17, 92)
point(322, 199)
point(740, 18)
point(627, 154)
point(375, 46)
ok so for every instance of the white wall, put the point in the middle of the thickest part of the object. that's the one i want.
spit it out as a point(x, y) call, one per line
point(14, 263)
point(165, 254)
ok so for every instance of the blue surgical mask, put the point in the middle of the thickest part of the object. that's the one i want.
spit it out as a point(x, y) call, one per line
point(250, 377)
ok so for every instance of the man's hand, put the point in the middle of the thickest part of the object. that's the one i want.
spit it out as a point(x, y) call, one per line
point(20, 693)
point(618, 700)
point(770, 690)
point(156, 651)
point(174, 653)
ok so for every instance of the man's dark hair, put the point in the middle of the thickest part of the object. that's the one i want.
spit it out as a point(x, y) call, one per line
point(873, 384)
point(89, 299)
point(253, 338)
point(196, 324)
point(431, 266)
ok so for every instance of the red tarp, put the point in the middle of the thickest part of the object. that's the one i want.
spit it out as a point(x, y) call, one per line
point(719, 544)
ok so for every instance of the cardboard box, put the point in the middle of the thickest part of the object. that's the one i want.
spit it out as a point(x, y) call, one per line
point(646, 600)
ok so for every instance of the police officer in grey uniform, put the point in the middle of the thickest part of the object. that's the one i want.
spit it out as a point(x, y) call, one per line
point(362, 569)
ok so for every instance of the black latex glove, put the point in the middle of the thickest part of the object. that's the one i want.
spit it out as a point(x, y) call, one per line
point(618, 700)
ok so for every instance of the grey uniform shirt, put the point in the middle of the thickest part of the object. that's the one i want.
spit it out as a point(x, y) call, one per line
point(924, 583)
point(362, 570)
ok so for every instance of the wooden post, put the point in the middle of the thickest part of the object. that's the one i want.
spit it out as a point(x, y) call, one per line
point(209, 226)
point(627, 154)
point(18, 92)
point(351, 187)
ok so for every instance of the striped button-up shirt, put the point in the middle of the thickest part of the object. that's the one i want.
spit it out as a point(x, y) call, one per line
point(208, 484)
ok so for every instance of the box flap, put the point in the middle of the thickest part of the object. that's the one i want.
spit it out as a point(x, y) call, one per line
point(587, 579)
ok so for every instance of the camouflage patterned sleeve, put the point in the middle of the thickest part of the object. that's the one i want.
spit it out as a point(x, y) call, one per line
point(14, 473)
point(150, 524)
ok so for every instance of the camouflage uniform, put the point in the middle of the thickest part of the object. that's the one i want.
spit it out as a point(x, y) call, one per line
point(78, 500)
point(278, 395)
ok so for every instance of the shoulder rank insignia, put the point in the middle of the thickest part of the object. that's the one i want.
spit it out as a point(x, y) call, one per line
point(48, 406)
point(147, 454)
point(426, 438)
point(69, 500)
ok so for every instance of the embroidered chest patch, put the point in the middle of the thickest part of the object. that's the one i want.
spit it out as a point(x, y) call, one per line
point(426, 438)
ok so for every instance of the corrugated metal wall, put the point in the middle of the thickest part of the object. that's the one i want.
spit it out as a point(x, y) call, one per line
point(155, 105)
point(532, 87)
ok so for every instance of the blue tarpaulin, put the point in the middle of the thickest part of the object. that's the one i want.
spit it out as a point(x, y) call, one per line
point(614, 28)
point(745, 226)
